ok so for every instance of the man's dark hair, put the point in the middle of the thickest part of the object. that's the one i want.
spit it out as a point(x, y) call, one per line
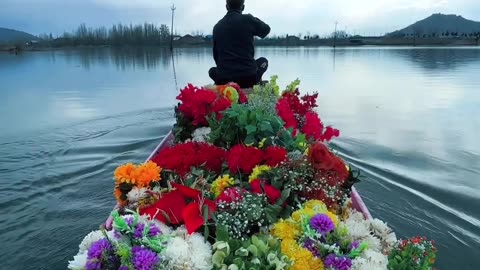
point(235, 4)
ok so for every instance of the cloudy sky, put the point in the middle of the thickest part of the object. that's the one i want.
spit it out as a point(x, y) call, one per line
point(284, 16)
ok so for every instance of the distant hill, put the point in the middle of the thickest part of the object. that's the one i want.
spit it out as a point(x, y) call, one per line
point(440, 25)
point(8, 36)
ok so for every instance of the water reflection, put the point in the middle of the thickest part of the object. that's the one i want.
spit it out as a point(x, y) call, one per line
point(123, 58)
point(439, 58)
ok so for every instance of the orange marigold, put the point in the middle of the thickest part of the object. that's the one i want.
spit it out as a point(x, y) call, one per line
point(125, 174)
point(146, 173)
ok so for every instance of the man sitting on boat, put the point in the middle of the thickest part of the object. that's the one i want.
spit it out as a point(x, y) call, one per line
point(233, 48)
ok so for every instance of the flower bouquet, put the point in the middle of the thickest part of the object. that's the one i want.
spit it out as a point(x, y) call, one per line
point(249, 182)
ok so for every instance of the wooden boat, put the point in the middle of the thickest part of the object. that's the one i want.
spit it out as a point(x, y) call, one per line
point(357, 202)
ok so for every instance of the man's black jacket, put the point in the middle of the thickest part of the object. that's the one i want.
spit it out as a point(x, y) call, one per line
point(233, 49)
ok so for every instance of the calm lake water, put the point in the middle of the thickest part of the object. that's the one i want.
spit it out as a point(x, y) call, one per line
point(409, 119)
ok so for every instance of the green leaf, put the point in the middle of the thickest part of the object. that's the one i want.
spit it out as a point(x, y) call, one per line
point(242, 252)
point(253, 249)
point(273, 212)
point(222, 233)
point(285, 195)
point(250, 140)
point(265, 126)
point(251, 129)
point(231, 112)
point(232, 267)
point(218, 258)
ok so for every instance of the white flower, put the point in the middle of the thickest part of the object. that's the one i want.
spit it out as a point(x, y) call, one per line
point(91, 238)
point(373, 243)
point(370, 260)
point(356, 216)
point(201, 252)
point(357, 230)
point(201, 134)
point(78, 262)
point(136, 194)
point(380, 227)
point(188, 251)
point(391, 240)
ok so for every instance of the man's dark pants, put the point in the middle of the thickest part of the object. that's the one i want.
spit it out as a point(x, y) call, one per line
point(244, 82)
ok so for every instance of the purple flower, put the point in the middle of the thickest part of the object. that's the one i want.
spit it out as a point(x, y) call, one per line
point(154, 230)
point(322, 224)
point(129, 221)
point(337, 262)
point(93, 265)
point(123, 268)
point(138, 232)
point(97, 248)
point(116, 234)
point(354, 245)
point(96, 253)
point(144, 259)
point(309, 244)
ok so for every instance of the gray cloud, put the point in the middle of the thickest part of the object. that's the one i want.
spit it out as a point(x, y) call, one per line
point(285, 16)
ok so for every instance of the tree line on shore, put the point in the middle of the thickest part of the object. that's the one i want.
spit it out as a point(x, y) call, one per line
point(119, 34)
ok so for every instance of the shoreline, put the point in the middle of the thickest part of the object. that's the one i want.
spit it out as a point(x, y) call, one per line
point(373, 42)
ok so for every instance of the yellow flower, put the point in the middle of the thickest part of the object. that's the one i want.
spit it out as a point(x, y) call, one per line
point(317, 206)
point(289, 247)
point(231, 94)
point(285, 230)
point(257, 171)
point(301, 258)
point(220, 184)
point(315, 263)
point(305, 213)
point(333, 217)
point(125, 174)
point(314, 204)
point(261, 144)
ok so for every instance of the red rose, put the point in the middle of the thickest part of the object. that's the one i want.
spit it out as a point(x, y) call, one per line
point(340, 169)
point(320, 157)
point(272, 193)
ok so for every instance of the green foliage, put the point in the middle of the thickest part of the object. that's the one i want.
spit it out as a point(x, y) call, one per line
point(183, 128)
point(413, 254)
point(146, 34)
point(260, 252)
point(240, 124)
point(293, 86)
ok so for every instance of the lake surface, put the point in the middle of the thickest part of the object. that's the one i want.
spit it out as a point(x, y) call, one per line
point(409, 119)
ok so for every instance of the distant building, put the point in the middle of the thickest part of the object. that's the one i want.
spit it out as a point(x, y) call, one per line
point(31, 43)
point(190, 40)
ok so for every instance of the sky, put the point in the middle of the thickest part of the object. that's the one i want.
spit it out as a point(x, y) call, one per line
point(368, 17)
